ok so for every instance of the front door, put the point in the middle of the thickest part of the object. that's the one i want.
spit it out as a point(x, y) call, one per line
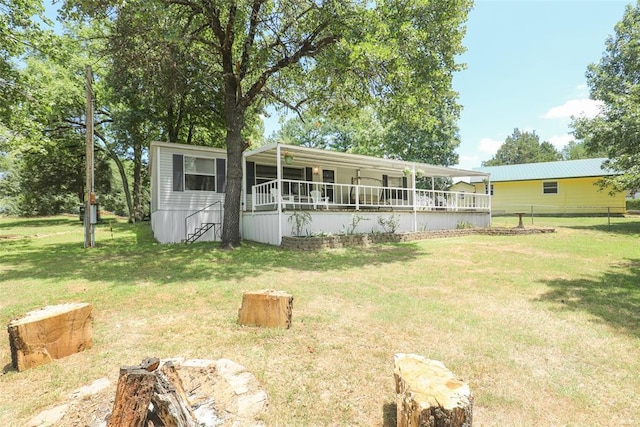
point(328, 177)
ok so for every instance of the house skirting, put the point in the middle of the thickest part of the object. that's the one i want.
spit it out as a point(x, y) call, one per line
point(264, 226)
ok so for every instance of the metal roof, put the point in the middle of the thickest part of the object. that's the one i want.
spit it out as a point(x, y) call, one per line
point(547, 170)
point(315, 156)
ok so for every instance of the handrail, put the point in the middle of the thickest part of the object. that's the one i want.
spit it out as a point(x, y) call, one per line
point(294, 192)
point(186, 220)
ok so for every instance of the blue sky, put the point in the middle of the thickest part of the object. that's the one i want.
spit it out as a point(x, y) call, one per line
point(526, 64)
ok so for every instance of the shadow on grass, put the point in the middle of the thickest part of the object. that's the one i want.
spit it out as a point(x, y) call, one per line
point(389, 414)
point(628, 227)
point(40, 222)
point(614, 298)
point(127, 253)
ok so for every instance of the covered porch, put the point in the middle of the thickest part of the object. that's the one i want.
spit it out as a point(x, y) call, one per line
point(342, 192)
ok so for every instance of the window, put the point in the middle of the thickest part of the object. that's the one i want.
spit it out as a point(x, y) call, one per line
point(199, 174)
point(488, 189)
point(550, 187)
point(265, 173)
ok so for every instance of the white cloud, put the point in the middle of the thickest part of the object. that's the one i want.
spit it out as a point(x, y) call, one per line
point(582, 89)
point(488, 145)
point(575, 107)
point(560, 141)
point(468, 162)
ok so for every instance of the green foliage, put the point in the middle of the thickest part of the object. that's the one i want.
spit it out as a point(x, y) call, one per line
point(20, 32)
point(633, 204)
point(462, 225)
point(299, 220)
point(615, 81)
point(523, 147)
point(389, 224)
point(355, 220)
point(576, 150)
point(355, 134)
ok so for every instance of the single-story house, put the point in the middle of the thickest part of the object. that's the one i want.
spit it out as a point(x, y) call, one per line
point(564, 187)
point(328, 191)
point(463, 187)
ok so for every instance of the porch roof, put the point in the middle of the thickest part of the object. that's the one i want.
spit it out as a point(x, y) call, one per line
point(314, 156)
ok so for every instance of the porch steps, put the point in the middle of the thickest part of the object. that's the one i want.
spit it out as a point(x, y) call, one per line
point(200, 231)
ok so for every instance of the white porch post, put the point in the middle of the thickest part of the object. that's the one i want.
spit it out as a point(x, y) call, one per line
point(244, 184)
point(279, 194)
point(489, 194)
point(413, 197)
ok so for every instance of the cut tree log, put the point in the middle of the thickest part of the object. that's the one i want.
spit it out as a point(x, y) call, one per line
point(50, 333)
point(429, 395)
point(151, 394)
point(133, 395)
point(269, 308)
point(171, 406)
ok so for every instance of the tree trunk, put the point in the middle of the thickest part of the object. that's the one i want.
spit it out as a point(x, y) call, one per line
point(429, 395)
point(125, 182)
point(234, 117)
point(138, 209)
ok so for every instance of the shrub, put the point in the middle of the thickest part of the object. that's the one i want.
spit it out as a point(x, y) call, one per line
point(633, 204)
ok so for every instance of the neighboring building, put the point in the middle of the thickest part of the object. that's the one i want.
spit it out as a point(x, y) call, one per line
point(337, 190)
point(463, 187)
point(565, 187)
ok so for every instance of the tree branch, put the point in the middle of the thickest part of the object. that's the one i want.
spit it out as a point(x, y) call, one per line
point(249, 41)
point(307, 49)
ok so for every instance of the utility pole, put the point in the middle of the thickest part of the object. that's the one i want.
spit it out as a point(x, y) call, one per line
point(89, 195)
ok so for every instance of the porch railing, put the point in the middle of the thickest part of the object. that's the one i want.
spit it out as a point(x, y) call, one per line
point(292, 194)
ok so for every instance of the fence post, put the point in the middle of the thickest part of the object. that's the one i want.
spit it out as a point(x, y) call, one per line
point(531, 214)
point(609, 217)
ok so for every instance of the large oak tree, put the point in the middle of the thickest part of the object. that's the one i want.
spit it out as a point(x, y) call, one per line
point(327, 56)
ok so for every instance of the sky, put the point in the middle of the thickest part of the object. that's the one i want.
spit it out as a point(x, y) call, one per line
point(526, 64)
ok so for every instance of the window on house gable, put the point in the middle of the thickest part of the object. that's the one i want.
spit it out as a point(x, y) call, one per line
point(550, 187)
point(488, 189)
point(199, 174)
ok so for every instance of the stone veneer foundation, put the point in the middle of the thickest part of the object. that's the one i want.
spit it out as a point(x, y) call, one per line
point(363, 240)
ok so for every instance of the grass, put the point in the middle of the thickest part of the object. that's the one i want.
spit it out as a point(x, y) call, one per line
point(545, 328)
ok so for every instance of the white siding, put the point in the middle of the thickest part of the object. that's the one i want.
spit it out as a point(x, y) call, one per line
point(261, 227)
point(170, 208)
point(182, 200)
point(169, 226)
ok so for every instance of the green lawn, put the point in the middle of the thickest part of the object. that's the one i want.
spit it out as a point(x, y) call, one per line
point(545, 328)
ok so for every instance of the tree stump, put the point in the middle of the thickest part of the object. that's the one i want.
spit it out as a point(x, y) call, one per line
point(133, 395)
point(429, 395)
point(50, 333)
point(151, 395)
point(266, 308)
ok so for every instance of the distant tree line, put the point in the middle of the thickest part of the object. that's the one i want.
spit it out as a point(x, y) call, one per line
point(525, 147)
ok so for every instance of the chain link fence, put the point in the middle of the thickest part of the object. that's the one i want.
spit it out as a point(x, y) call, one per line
point(555, 215)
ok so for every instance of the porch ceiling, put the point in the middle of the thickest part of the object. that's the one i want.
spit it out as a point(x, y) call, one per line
point(304, 156)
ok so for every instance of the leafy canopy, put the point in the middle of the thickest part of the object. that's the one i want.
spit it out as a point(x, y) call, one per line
point(523, 147)
point(615, 81)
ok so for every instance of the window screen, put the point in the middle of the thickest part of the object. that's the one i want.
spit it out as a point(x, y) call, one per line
point(199, 174)
point(550, 187)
